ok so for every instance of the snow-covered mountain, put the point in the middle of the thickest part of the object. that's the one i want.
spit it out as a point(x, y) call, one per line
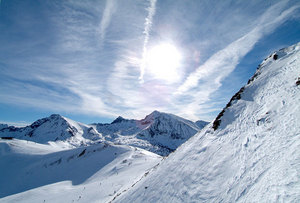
point(250, 153)
point(158, 132)
point(54, 128)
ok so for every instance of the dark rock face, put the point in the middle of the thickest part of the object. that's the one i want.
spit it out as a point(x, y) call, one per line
point(237, 96)
point(82, 153)
point(298, 81)
point(6, 138)
point(119, 120)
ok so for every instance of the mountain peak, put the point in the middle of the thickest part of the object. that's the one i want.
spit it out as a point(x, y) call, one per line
point(55, 116)
point(155, 113)
point(119, 120)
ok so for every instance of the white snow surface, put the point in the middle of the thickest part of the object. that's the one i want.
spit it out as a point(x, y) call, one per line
point(253, 156)
point(32, 172)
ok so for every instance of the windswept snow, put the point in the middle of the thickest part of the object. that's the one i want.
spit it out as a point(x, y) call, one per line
point(252, 156)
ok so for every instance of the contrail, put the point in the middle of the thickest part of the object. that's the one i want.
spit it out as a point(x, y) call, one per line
point(148, 24)
point(105, 21)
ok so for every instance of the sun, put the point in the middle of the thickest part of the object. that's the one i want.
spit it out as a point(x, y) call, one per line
point(163, 62)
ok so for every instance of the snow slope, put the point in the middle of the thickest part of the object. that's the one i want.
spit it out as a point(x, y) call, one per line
point(158, 132)
point(251, 153)
point(32, 172)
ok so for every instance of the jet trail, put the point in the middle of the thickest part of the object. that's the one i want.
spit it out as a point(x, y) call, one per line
point(148, 24)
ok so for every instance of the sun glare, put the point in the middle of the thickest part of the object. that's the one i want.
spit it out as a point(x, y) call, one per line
point(163, 62)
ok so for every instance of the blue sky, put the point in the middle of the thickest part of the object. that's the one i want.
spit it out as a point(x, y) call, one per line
point(94, 60)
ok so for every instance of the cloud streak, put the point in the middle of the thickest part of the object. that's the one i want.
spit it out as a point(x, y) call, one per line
point(148, 24)
point(109, 10)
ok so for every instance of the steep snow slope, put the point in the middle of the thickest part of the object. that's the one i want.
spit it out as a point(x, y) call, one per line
point(54, 128)
point(32, 172)
point(251, 153)
point(158, 132)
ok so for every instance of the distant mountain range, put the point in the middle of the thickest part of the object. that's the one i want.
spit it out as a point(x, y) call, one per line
point(158, 132)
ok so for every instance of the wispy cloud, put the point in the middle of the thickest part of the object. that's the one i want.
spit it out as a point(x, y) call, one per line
point(109, 9)
point(148, 24)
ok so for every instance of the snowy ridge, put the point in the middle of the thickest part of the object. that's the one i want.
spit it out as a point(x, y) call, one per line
point(251, 154)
